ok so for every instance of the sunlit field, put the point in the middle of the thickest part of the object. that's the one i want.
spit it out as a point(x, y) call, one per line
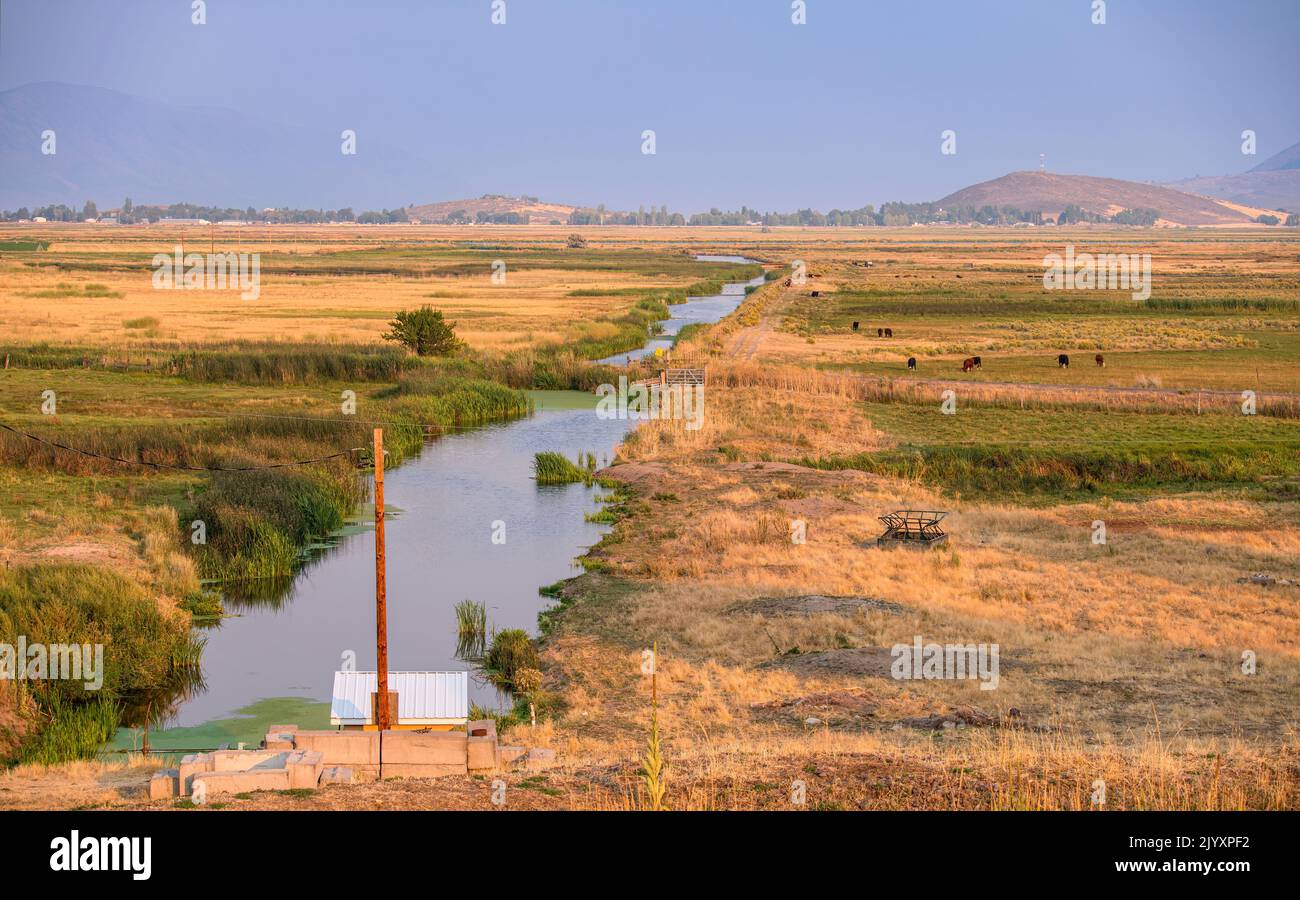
point(93, 285)
point(1121, 658)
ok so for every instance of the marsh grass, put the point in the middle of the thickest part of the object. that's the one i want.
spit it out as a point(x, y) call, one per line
point(511, 651)
point(71, 730)
point(471, 629)
point(551, 467)
point(66, 290)
point(55, 603)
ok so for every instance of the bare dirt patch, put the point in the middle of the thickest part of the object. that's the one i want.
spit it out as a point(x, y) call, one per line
point(873, 662)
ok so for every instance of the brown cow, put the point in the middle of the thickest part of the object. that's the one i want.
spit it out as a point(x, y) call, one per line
point(968, 364)
point(880, 332)
point(1101, 361)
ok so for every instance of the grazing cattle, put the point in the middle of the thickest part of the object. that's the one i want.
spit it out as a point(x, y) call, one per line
point(1101, 361)
point(855, 326)
point(880, 332)
point(911, 364)
point(1063, 361)
point(816, 293)
point(979, 363)
point(889, 332)
point(968, 364)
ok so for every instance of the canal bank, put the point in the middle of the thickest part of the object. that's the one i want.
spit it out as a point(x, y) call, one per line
point(471, 525)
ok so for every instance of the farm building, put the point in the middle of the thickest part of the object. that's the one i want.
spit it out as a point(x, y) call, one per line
point(425, 700)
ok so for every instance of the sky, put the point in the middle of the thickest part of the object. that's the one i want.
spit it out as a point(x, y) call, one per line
point(747, 107)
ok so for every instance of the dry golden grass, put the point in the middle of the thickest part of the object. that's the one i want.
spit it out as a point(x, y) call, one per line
point(533, 307)
point(1122, 661)
point(1119, 662)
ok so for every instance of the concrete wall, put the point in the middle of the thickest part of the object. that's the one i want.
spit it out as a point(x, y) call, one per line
point(413, 754)
point(356, 750)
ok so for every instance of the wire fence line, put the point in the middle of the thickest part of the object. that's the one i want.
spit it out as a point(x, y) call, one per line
point(176, 466)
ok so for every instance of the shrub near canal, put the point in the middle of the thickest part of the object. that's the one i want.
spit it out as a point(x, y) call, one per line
point(77, 605)
point(257, 522)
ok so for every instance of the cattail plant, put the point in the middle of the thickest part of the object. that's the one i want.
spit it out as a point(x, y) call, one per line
point(471, 629)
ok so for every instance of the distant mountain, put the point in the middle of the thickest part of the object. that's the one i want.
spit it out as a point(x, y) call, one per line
point(111, 145)
point(1274, 183)
point(1286, 159)
point(535, 210)
point(1049, 193)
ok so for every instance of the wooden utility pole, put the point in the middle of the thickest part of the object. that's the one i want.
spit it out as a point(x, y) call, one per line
point(381, 590)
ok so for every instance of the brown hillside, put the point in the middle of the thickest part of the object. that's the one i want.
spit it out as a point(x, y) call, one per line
point(1271, 189)
point(537, 212)
point(1049, 193)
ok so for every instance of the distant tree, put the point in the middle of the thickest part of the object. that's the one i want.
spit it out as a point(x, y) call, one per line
point(1293, 219)
point(1136, 216)
point(424, 331)
point(576, 242)
point(1266, 219)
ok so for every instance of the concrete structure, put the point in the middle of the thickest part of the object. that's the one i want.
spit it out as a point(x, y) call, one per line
point(425, 700)
point(293, 758)
point(290, 758)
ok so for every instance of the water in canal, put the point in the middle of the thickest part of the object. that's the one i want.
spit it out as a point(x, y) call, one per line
point(439, 551)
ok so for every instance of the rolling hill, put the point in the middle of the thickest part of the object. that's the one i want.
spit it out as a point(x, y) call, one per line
point(1049, 193)
point(1273, 183)
point(536, 211)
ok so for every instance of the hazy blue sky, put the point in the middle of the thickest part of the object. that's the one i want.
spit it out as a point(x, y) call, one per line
point(747, 107)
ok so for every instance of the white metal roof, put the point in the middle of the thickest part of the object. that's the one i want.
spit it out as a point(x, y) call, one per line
point(423, 698)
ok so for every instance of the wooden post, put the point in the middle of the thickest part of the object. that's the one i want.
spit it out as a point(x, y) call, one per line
point(381, 590)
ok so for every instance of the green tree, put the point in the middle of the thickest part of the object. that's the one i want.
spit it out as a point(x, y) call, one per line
point(424, 331)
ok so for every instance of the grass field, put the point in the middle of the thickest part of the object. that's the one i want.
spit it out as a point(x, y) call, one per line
point(328, 285)
point(1122, 659)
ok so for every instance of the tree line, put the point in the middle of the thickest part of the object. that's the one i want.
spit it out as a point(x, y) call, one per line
point(893, 214)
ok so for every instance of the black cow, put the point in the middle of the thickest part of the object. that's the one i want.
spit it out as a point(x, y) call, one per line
point(1063, 361)
point(979, 363)
point(855, 326)
point(911, 364)
point(880, 332)
point(1101, 361)
point(889, 332)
